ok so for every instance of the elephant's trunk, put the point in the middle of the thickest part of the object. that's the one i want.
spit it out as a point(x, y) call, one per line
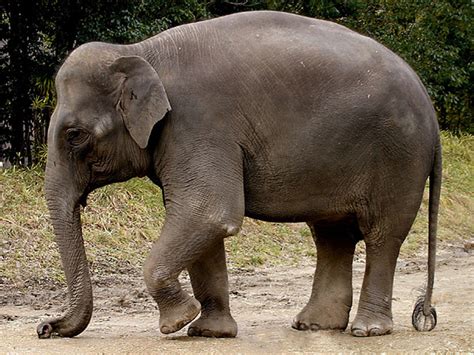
point(64, 209)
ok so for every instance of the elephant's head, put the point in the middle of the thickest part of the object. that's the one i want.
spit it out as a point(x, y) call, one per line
point(108, 104)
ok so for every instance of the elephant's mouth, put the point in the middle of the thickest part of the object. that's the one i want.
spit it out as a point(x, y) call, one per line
point(83, 198)
point(92, 186)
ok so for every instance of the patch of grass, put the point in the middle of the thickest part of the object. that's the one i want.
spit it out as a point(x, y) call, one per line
point(266, 243)
point(456, 217)
point(119, 226)
point(122, 221)
point(27, 249)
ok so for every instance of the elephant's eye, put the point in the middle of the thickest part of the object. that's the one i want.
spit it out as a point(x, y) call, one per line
point(76, 136)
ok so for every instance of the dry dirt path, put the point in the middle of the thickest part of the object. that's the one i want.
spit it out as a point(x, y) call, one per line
point(263, 302)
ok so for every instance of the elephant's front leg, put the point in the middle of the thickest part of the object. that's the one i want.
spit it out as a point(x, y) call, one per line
point(204, 204)
point(168, 258)
point(211, 287)
point(181, 244)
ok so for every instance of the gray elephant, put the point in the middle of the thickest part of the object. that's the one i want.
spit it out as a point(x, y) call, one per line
point(268, 115)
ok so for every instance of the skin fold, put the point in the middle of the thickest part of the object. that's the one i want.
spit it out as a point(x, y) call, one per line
point(262, 114)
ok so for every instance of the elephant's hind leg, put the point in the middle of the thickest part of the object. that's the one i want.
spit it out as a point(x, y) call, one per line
point(211, 287)
point(383, 238)
point(331, 297)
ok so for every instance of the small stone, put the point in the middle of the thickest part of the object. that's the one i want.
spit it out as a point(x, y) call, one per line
point(469, 245)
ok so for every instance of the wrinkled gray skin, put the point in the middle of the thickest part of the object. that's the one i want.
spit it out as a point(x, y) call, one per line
point(267, 115)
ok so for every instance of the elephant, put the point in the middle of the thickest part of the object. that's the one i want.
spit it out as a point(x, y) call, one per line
point(267, 115)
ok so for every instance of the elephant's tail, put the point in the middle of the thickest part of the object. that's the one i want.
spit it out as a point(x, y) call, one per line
point(424, 315)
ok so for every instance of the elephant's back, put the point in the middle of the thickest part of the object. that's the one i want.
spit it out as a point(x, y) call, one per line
point(298, 60)
point(262, 35)
point(298, 70)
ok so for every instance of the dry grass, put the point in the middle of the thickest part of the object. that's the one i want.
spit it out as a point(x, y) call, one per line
point(122, 221)
point(456, 219)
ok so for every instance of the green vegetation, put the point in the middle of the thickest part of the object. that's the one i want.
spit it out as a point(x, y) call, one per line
point(122, 220)
point(456, 220)
point(434, 37)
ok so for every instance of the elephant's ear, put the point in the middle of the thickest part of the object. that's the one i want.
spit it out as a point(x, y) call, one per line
point(143, 101)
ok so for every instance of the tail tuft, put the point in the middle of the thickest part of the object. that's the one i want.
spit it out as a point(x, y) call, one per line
point(423, 322)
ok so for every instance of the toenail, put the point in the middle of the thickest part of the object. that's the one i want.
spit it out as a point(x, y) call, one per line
point(165, 329)
point(375, 332)
point(302, 326)
point(358, 332)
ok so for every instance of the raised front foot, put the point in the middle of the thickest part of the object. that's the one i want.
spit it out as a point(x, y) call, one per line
point(317, 318)
point(365, 326)
point(173, 318)
point(216, 326)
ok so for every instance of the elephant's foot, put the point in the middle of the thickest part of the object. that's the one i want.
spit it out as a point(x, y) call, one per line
point(365, 326)
point(176, 317)
point(216, 326)
point(321, 318)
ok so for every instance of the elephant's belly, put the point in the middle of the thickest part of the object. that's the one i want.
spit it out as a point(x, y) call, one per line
point(296, 199)
point(304, 211)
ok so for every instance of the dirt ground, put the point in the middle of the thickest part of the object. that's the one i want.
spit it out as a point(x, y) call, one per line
point(263, 302)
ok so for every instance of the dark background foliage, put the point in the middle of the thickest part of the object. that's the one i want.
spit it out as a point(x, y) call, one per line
point(434, 37)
